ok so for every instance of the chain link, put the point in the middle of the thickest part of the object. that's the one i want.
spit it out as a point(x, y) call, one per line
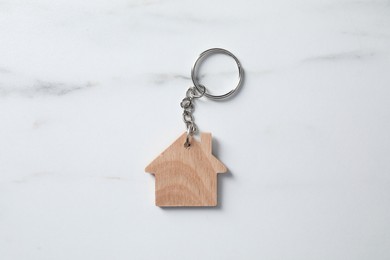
point(188, 108)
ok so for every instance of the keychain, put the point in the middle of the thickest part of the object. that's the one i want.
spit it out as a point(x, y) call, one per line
point(186, 172)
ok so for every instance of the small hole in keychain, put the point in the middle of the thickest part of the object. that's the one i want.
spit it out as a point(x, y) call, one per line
point(199, 90)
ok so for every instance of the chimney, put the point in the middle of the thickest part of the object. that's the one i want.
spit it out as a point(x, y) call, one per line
point(205, 142)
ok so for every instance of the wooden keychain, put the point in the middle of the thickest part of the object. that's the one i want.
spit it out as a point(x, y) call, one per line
point(186, 172)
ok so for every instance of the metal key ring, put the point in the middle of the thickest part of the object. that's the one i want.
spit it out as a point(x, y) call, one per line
point(202, 88)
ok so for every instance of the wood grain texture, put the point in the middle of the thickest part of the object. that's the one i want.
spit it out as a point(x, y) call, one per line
point(187, 176)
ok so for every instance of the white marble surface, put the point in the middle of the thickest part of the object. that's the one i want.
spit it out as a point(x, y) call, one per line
point(90, 92)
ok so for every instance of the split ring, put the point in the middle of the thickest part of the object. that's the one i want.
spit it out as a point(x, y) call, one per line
point(202, 88)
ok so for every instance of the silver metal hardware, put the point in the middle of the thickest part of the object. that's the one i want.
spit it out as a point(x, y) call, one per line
point(198, 91)
point(203, 56)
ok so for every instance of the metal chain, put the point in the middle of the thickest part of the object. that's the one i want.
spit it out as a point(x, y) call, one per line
point(188, 108)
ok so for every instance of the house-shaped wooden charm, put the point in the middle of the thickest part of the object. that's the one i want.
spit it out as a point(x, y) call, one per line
point(187, 176)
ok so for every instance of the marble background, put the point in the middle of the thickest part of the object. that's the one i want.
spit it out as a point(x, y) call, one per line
point(90, 93)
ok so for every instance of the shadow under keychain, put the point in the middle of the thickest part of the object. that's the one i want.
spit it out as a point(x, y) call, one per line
point(186, 172)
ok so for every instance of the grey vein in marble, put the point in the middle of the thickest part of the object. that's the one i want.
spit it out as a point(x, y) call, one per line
point(162, 78)
point(342, 56)
point(44, 88)
point(4, 70)
point(32, 176)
